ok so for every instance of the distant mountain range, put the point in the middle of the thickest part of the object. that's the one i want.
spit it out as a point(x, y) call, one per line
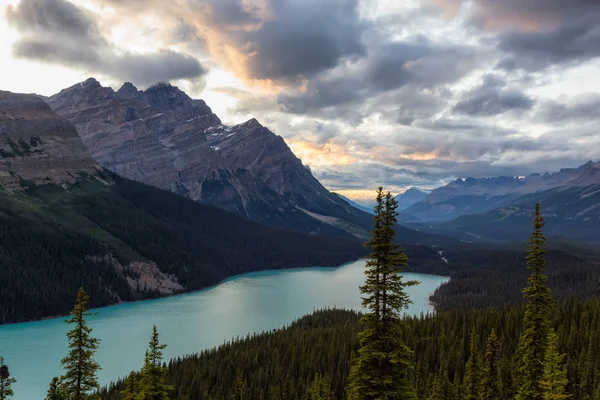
point(501, 208)
point(410, 197)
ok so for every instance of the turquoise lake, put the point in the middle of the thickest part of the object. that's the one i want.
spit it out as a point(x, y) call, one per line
point(191, 322)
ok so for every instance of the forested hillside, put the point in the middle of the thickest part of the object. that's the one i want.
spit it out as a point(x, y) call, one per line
point(484, 275)
point(282, 364)
point(124, 241)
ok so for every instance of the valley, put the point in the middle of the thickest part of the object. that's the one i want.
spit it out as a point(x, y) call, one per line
point(241, 305)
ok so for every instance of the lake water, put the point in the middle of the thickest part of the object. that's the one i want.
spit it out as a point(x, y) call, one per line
point(188, 323)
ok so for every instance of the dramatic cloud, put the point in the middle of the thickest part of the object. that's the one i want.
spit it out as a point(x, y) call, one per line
point(365, 92)
point(391, 66)
point(283, 41)
point(538, 33)
point(492, 98)
point(56, 31)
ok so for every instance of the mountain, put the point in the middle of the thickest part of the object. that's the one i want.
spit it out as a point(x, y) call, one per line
point(166, 139)
point(38, 146)
point(570, 202)
point(67, 223)
point(410, 197)
point(355, 204)
point(472, 196)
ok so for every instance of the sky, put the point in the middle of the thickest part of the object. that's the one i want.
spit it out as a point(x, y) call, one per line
point(365, 92)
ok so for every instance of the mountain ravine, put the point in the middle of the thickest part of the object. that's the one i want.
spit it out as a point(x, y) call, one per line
point(166, 139)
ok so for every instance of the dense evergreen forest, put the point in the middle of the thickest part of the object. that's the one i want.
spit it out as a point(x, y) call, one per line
point(535, 350)
point(283, 364)
point(494, 275)
point(53, 241)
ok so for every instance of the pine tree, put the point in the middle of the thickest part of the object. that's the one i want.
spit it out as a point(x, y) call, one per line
point(130, 392)
point(239, 387)
point(6, 381)
point(472, 383)
point(382, 369)
point(152, 382)
point(55, 391)
point(491, 388)
point(80, 381)
point(532, 344)
point(320, 389)
point(554, 383)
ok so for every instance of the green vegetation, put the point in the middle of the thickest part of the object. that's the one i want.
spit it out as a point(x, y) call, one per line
point(53, 241)
point(533, 342)
point(152, 384)
point(537, 350)
point(55, 391)
point(6, 381)
point(383, 366)
point(80, 381)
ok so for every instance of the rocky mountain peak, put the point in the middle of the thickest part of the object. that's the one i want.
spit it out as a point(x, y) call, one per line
point(164, 138)
point(127, 91)
point(167, 97)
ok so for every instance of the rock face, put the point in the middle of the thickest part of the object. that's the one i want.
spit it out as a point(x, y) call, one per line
point(37, 145)
point(164, 138)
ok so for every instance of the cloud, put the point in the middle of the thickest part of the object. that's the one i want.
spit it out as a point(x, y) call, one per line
point(57, 31)
point(418, 63)
point(537, 34)
point(581, 108)
point(279, 41)
point(492, 98)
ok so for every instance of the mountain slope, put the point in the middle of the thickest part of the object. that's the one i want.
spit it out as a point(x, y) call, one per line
point(66, 223)
point(37, 145)
point(571, 211)
point(164, 138)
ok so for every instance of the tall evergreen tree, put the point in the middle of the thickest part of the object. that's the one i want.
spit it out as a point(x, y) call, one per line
point(382, 369)
point(55, 391)
point(533, 341)
point(554, 383)
point(491, 388)
point(471, 385)
point(6, 381)
point(130, 391)
point(80, 381)
point(320, 388)
point(152, 382)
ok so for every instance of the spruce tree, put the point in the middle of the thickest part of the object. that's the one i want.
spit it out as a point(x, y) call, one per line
point(6, 381)
point(80, 381)
point(55, 391)
point(320, 389)
point(554, 383)
point(532, 344)
point(383, 366)
point(491, 388)
point(152, 377)
point(471, 385)
point(130, 391)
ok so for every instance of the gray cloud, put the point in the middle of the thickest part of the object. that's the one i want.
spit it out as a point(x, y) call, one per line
point(572, 42)
point(538, 33)
point(492, 98)
point(585, 107)
point(303, 38)
point(279, 40)
point(57, 31)
point(418, 63)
